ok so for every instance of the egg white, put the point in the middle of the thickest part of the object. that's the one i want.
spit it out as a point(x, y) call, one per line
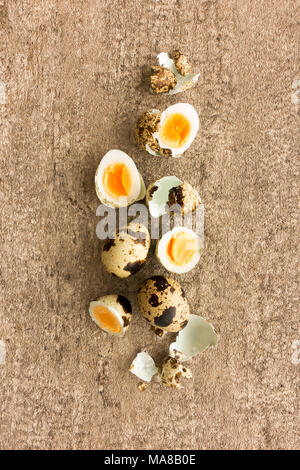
point(162, 251)
point(189, 112)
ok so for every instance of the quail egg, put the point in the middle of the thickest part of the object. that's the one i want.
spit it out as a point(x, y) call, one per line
point(163, 303)
point(170, 132)
point(172, 75)
point(125, 253)
point(179, 250)
point(118, 182)
point(112, 313)
point(170, 193)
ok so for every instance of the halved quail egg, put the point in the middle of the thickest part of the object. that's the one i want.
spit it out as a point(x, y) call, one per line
point(112, 313)
point(179, 250)
point(118, 182)
point(170, 132)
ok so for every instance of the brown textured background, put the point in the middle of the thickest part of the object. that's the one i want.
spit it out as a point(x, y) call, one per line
point(75, 75)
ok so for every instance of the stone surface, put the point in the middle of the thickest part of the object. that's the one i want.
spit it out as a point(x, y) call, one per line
point(74, 75)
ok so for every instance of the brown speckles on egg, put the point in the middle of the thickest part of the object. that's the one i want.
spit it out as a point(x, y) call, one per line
point(154, 301)
point(110, 242)
point(125, 303)
point(168, 309)
point(172, 372)
point(166, 318)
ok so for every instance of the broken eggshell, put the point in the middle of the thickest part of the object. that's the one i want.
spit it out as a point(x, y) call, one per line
point(143, 366)
point(172, 372)
point(196, 337)
point(170, 192)
point(173, 75)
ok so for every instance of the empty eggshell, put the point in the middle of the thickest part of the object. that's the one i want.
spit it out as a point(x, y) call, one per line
point(170, 193)
point(125, 253)
point(197, 336)
point(143, 366)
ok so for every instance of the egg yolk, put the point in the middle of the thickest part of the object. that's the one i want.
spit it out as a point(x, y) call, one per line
point(117, 180)
point(107, 319)
point(175, 130)
point(181, 248)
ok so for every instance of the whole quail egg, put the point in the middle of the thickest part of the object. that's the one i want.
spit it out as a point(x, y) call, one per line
point(179, 250)
point(112, 313)
point(118, 182)
point(125, 253)
point(170, 132)
point(162, 302)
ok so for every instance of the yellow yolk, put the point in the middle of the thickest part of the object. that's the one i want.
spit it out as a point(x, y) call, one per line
point(175, 131)
point(117, 180)
point(107, 319)
point(181, 248)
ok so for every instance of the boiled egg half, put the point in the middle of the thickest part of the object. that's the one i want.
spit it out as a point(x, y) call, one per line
point(118, 182)
point(179, 250)
point(179, 125)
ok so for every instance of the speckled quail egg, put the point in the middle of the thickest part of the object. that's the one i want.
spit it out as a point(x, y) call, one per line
point(112, 313)
point(172, 372)
point(179, 250)
point(125, 253)
point(197, 336)
point(173, 75)
point(118, 182)
point(168, 133)
point(170, 193)
point(162, 302)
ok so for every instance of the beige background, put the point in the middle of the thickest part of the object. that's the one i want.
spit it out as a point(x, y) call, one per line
point(76, 80)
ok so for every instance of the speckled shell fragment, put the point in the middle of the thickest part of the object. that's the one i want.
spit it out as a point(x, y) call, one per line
point(172, 372)
point(146, 126)
point(126, 253)
point(162, 302)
